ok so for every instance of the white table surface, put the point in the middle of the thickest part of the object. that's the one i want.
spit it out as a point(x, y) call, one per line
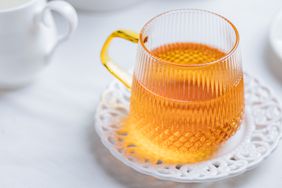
point(47, 137)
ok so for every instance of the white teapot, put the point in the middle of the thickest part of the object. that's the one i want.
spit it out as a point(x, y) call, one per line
point(29, 37)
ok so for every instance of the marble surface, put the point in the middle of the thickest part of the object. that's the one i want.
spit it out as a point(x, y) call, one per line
point(47, 137)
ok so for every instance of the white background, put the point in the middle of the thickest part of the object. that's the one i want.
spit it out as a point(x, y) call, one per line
point(47, 136)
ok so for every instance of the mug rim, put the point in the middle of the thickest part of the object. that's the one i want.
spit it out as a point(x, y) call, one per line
point(162, 61)
point(19, 7)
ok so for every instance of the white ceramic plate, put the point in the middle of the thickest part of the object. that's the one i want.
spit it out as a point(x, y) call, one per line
point(101, 5)
point(255, 141)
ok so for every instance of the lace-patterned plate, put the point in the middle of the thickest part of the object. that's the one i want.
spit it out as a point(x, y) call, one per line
point(257, 138)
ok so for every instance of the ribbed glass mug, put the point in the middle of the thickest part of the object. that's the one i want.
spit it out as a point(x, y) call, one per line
point(187, 88)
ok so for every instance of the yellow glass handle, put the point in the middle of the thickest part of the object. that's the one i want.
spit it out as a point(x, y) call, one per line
point(107, 61)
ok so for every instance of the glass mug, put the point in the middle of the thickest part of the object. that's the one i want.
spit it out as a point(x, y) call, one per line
point(187, 88)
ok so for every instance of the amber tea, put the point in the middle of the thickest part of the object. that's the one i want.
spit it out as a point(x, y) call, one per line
point(208, 112)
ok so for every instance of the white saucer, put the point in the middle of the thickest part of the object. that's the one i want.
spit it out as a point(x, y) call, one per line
point(257, 138)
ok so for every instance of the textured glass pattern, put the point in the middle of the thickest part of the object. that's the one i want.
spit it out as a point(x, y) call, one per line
point(188, 91)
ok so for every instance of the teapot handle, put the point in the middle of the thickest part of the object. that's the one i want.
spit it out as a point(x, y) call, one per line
point(67, 12)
